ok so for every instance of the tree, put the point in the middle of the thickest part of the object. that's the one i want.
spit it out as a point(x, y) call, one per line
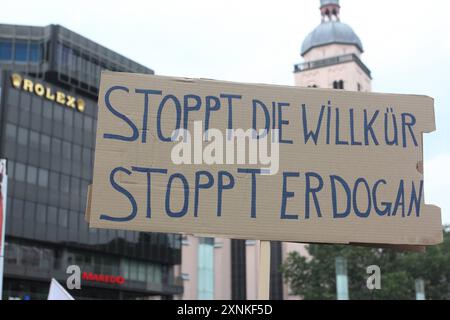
point(314, 277)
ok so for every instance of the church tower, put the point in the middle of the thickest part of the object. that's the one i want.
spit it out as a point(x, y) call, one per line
point(332, 55)
point(332, 59)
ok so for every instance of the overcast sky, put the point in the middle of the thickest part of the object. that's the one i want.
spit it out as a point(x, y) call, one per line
point(406, 42)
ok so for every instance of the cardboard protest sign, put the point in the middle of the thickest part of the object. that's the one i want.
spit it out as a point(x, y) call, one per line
point(261, 162)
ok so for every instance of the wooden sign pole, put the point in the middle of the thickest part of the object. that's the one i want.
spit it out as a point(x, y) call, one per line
point(264, 270)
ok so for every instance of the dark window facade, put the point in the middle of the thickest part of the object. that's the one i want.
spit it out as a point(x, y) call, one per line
point(21, 51)
point(50, 152)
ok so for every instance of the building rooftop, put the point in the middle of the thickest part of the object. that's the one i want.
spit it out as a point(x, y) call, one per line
point(56, 53)
point(327, 2)
point(331, 30)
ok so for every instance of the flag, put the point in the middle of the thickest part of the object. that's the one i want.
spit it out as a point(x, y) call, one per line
point(57, 292)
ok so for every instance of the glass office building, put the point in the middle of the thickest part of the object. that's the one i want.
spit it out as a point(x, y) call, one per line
point(48, 107)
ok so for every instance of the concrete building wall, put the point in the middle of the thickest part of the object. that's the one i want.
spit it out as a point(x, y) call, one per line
point(222, 269)
point(189, 267)
point(252, 268)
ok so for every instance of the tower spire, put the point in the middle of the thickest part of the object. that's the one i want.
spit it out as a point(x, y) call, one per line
point(329, 10)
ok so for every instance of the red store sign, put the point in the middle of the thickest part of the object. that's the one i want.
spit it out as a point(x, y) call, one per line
point(103, 278)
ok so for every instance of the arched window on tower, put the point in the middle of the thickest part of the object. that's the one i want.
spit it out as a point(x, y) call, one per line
point(338, 84)
point(335, 85)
